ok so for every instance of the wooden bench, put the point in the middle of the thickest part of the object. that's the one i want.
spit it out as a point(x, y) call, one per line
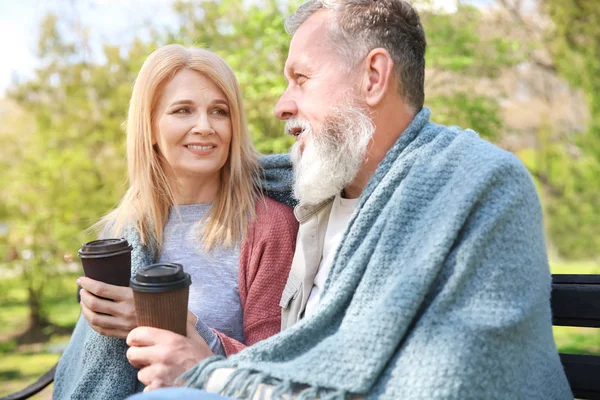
point(575, 302)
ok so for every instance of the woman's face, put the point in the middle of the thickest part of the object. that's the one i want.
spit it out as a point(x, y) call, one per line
point(193, 126)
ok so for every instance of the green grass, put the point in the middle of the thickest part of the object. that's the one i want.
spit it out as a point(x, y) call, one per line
point(61, 306)
point(13, 313)
point(23, 365)
point(577, 340)
point(588, 267)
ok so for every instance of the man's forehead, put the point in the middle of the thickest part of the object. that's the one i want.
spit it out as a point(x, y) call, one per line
point(309, 40)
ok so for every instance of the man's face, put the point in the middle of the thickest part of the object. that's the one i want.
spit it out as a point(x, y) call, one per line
point(323, 111)
point(316, 77)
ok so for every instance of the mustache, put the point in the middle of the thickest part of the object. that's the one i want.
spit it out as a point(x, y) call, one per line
point(294, 124)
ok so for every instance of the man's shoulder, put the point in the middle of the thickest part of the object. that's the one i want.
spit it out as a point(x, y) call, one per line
point(465, 152)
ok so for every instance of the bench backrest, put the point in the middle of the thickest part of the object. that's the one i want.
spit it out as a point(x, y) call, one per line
point(576, 302)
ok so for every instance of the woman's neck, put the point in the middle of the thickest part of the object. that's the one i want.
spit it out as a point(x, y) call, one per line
point(196, 189)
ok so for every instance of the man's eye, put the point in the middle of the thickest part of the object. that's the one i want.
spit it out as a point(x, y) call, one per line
point(300, 79)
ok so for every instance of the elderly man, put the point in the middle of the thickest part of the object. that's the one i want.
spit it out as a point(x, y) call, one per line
point(420, 270)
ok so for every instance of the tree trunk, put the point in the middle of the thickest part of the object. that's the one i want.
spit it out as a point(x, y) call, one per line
point(37, 318)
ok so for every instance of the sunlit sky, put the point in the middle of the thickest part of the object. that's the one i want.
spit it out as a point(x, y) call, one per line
point(114, 21)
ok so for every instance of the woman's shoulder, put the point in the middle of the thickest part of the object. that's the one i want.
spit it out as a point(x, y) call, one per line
point(266, 205)
point(273, 218)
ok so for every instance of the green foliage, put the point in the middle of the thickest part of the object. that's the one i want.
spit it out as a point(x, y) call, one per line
point(464, 53)
point(67, 162)
point(456, 43)
point(568, 189)
point(574, 206)
point(574, 168)
point(21, 365)
point(67, 154)
point(480, 113)
point(252, 39)
point(576, 45)
point(60, 300)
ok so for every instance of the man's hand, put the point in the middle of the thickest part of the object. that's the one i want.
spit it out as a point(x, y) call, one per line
point(109, 309)
point(162, 356)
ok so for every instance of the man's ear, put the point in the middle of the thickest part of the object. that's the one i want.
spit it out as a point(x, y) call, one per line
point(378, 78)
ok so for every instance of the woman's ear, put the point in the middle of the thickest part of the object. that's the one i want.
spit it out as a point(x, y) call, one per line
point(153, 131)
point(379, 78)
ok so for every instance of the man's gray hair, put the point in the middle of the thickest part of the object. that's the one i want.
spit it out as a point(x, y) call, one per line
point(359, 26)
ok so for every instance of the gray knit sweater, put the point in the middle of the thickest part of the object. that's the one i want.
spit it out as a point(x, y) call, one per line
point(214, 275)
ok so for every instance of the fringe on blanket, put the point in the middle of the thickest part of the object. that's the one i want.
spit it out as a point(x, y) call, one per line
point(245, 383)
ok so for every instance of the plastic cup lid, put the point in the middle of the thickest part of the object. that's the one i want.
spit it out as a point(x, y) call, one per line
point(160, 277)
point(104, 246)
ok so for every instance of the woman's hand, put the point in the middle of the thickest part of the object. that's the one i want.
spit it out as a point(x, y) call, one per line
point(109, 309)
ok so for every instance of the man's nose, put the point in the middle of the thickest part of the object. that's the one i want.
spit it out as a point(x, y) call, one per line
point(285, 108)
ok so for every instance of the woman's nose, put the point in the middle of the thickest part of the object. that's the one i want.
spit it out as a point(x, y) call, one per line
point(203, 126)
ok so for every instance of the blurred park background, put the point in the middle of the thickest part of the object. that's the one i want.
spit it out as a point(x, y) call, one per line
point(525, 74)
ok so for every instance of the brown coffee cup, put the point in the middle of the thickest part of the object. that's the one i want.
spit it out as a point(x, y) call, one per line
point(160, 293)
point(107, 260)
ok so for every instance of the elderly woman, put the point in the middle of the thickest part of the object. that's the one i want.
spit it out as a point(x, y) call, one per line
point(193, 199)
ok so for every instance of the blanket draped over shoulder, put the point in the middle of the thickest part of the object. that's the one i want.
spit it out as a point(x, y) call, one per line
point(440, 288)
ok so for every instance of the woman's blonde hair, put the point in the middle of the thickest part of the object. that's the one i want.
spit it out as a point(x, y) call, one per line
point(146, 203)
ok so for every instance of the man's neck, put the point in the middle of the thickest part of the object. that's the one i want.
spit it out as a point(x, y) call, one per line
point(390, 122)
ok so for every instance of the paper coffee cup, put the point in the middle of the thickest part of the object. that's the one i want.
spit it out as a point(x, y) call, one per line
point(107, 260)
point(160, 292)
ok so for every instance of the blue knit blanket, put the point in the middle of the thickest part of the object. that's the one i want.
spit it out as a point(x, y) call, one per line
point(440, 288)
point(93, 366)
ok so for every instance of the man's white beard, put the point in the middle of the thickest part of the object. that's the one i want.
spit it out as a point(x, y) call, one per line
point(333, 156)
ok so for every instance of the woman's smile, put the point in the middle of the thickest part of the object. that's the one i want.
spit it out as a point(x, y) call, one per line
point(201, 149)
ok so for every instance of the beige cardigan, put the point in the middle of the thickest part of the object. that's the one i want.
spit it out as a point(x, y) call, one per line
point(313, 221)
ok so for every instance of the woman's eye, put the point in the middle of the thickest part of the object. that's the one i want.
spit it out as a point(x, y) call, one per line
point(220, 111)
point(181, 111)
